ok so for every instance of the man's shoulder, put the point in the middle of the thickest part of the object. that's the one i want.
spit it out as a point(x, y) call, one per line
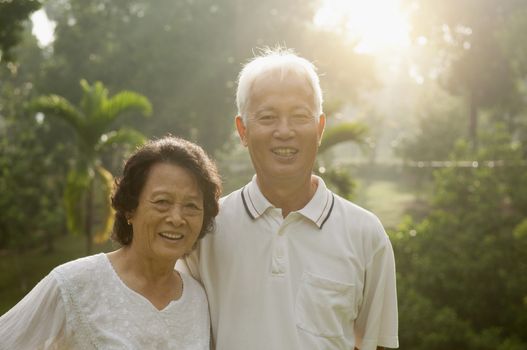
point(231, 201)
point(233, 196)
point(352, 209)
point(357, 218)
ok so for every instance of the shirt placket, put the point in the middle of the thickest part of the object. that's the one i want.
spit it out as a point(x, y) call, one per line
point(279, 258)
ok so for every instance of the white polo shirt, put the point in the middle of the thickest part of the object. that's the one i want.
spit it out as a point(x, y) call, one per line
point(322, 278)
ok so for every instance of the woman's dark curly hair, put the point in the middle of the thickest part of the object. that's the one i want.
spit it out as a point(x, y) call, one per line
point(172, 150)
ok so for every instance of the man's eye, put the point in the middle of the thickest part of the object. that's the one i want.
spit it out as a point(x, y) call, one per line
point(302, 117)
point(267, 117)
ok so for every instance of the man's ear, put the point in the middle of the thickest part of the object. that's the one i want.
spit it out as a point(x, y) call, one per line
point(242, 130)
point(321, 125)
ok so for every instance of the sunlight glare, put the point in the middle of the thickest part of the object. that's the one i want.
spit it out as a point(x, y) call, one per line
point(376, 25)
point(43, 28)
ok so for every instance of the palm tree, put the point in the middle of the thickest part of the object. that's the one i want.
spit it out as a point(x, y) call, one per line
point(344, 132)
point(87, 178)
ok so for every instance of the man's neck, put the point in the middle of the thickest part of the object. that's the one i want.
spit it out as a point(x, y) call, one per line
point(288, 195)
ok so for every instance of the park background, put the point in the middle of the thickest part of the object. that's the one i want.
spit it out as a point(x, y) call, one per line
point(426, 102)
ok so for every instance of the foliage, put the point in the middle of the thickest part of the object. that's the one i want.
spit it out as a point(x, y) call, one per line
point(91, 122)
point(435, 136)
point(185, 55)
point(30, 165)
point(336, 176)
point(13, 15)
point(28, 202)
point(468, 43)
point(462, 270)
point(343, 132)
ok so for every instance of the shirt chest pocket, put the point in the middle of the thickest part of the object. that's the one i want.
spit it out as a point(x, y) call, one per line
point(325, 307)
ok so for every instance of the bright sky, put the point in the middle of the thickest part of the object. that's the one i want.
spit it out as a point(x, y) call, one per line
point(43, 28)
point(377, 25)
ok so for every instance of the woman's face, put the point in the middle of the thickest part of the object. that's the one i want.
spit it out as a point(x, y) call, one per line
point(169, 216)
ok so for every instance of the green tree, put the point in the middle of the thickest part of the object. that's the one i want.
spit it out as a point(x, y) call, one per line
point(190, 55)
point(335, 135)
point(466, 39)
point(464, 265)
point(92, 123)
point(13, 15)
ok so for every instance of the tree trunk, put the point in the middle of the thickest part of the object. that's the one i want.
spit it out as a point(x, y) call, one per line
point(473, 122)
point(88, 218)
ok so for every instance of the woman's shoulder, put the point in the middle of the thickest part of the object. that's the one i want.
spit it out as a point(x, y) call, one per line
point(85, 266)
point(189, 281)
point(192, 287)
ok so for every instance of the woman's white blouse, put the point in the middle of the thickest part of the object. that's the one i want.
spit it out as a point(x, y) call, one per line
point(84, 304)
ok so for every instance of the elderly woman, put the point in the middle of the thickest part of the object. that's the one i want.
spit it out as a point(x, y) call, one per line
point(132, 298)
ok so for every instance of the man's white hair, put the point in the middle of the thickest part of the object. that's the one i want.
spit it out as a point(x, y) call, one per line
point(284, 61)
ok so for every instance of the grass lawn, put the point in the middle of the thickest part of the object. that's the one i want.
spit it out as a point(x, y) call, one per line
point(19, 274)
point(387, 199)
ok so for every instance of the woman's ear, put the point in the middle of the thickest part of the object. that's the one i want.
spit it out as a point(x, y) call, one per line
point(129, 217)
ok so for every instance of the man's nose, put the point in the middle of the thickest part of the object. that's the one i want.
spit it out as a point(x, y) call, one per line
point(284, 128)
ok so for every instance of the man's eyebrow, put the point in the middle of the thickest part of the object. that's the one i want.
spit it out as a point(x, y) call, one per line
point(298, 107)
point(265, 109)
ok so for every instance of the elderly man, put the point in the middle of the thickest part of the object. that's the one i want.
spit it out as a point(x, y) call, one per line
point(291, 265)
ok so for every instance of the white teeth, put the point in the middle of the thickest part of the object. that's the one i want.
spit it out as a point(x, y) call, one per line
point(285, 152)
point(174, 236)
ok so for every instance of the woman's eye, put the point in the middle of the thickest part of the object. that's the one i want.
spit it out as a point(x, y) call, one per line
point(161, 203)
point(192, 209)
point(193, 206)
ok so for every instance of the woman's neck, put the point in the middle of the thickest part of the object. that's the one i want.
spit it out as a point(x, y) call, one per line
point(155, 280)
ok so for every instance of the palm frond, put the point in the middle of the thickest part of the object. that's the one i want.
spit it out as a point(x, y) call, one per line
point(122, 136)
point(126, 101)
point(58, 107)
point(345, 132)
point(93, 98)
point(107, 182)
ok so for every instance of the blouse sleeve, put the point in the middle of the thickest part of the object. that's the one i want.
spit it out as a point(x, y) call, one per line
point(37, 321)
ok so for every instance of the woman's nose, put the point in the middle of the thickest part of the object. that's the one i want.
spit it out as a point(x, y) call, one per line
point(176, 215)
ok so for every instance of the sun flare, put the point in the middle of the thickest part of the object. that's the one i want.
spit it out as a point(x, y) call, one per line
point(375, 25)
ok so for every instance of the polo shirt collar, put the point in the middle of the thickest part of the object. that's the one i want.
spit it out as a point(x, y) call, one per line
point(318, 209)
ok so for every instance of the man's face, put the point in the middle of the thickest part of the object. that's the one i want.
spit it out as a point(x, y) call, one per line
point(282, 131)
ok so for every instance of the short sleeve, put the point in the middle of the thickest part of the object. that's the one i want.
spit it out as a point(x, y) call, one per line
point(377, 322)
point(37, 321)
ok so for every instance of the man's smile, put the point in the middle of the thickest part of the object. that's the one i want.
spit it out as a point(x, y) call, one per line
point(284, 151)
